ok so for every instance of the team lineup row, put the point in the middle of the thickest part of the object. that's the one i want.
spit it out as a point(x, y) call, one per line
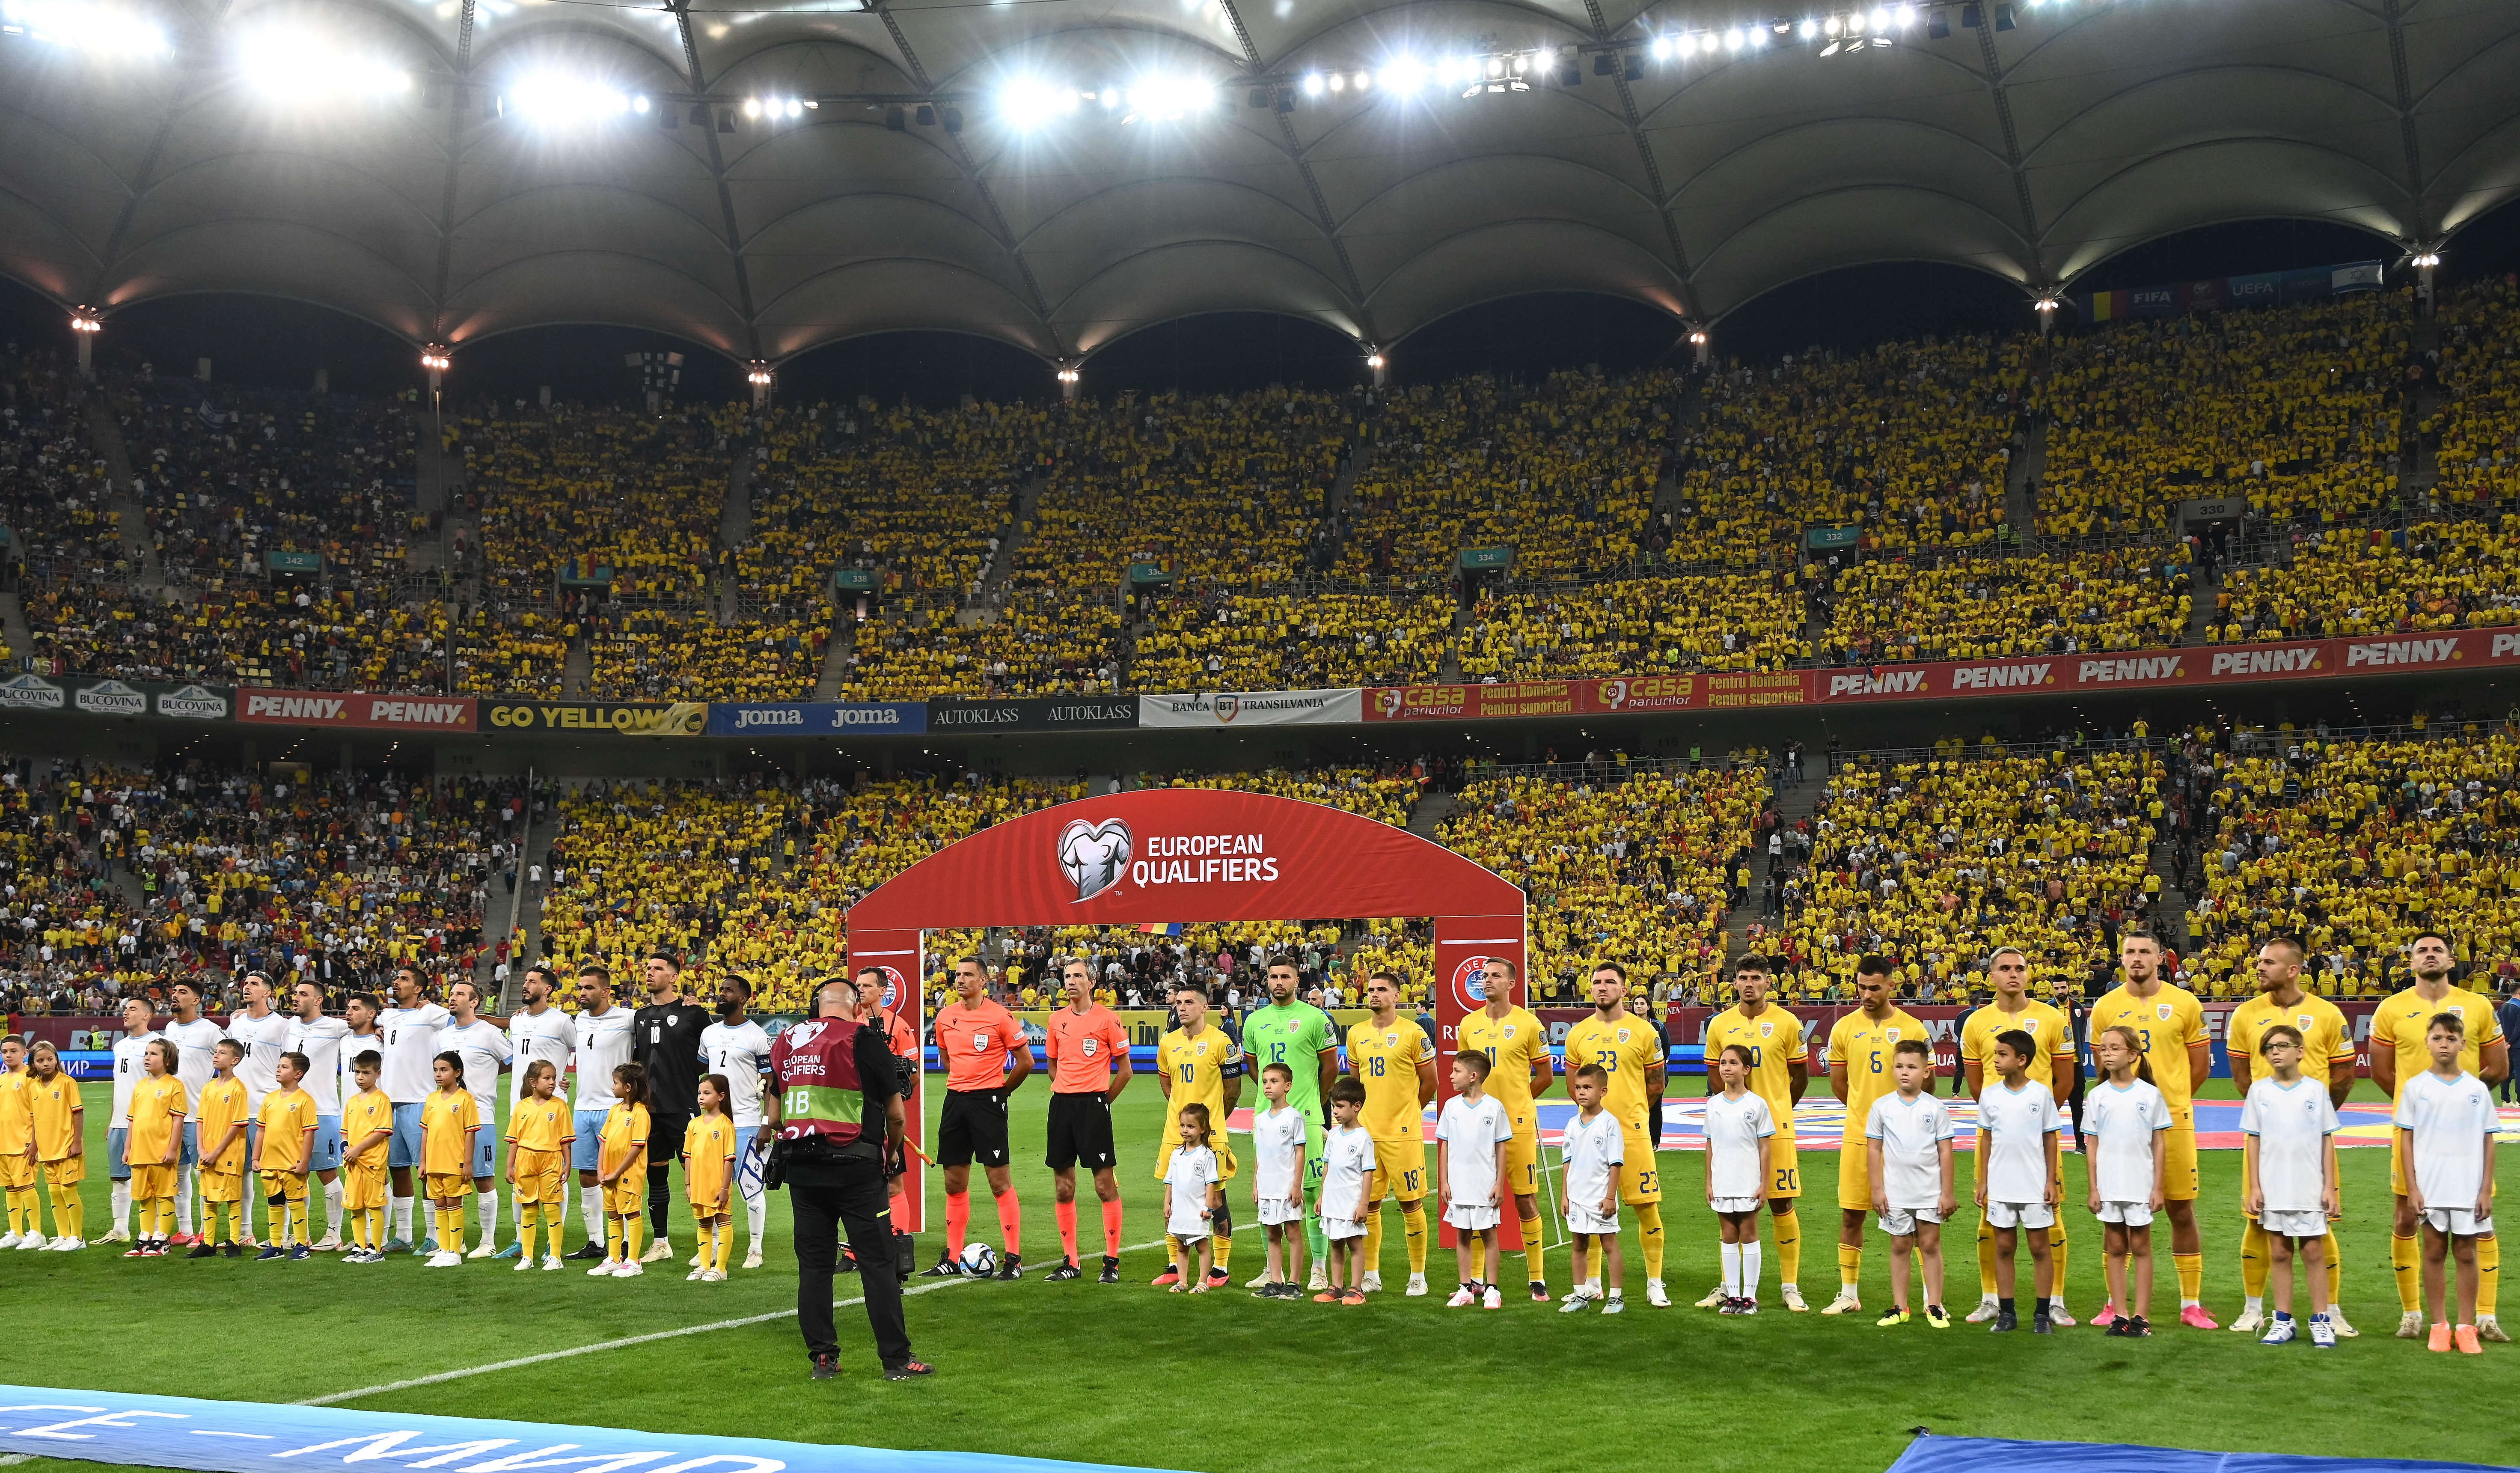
point(613, 1138)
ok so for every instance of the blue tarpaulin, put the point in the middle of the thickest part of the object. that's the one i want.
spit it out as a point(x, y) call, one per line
point(1987, 1454)
point(250, 1436)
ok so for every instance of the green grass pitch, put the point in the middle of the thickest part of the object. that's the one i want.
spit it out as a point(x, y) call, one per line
point(1130, 1374)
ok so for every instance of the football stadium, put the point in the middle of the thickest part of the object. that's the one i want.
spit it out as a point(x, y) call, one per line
point(1219, 735)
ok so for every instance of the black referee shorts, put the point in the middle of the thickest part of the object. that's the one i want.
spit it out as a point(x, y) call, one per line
point(1080, 1131)
point(973, 1126)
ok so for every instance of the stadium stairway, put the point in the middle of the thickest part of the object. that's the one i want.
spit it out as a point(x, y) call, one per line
point(835, 657)
point(1326, 550)
point(137, 545)
point(1012, 539)
point(1794, 804)
point(519, 916)
point(734, 518)
point(1434, 805)
point(13, 627)
point(577, 671)
point(2174, 900)
point(2029, 465)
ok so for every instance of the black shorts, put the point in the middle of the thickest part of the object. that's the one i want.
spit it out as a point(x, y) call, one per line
point(1080, 1131)
point(973, 1126)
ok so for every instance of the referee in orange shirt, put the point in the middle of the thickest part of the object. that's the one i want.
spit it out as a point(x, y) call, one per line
point(986, 1057)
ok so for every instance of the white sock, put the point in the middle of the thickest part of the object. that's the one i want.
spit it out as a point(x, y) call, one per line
point(2256, 1303)
point(1987, 1298)
point(184, 1200)
point(398, 1218)
point(756, 1213)
point(122, 1198)
point(1594, 1283)
point(2056, 1304)
point(590, 1206)
point(333, 1207)
point(1750, 1270)
point(2187, 1304)
point(516, 1218)
point(1614, 1294)
point(1732, 1270)
point(490, 1220)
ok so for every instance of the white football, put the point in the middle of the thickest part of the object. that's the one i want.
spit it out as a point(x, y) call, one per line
point(979, 1260)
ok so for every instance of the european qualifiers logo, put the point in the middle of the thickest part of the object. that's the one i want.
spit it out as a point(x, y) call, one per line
point(1095, 855)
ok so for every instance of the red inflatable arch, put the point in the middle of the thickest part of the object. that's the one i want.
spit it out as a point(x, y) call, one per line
point(1166, 855)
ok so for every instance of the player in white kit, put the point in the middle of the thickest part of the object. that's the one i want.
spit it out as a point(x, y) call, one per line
point(319, 1038)
point(485, 1050)
point(602, 1045)
point(410, 1024)
point(539, 1032)
point(739, 1048)
point(194, 1036)
point(137, 1034)
point(262, 1031)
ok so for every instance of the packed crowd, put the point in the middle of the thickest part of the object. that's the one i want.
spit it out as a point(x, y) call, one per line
point(1562, 473)
point(2353, 582)
point(1038, 643)
point(2298, 408)
point(1908, 443)
point(1978, 608)
point(53, 493)
point(922, 496)
point(1936, 862)
point(1710, 621)
point(572, 492)
point(664, 655)
point(1639, 869)
point(2357, 845)
point(310, 636)
point(2476, 432)
point(1212, 639)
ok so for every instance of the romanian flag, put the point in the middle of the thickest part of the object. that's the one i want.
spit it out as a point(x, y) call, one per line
point(1165, 928)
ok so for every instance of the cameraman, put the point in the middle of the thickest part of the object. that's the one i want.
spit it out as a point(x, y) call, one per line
point(836, 1111)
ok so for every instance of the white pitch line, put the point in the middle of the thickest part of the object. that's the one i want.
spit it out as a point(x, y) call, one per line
point(623, 1343)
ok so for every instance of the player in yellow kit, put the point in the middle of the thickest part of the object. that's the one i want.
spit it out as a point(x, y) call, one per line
point(539, 1138)
point(18, 1170)
point(222, 1136)
point(1860, 1050)
point(708, 1178)
point(2169, 1022)
point(2399, 1054)
point(2327, 1056)
point(287, 1152)
point(59, 1124)
point(2052, 1067)
point(449, 1118)
point(1628, 1050)
point(1519, 1067)
point(1199, 1064)
point(1392, 1057)
point(1780, 1071)
point(154, 1143)
point(367, 1136)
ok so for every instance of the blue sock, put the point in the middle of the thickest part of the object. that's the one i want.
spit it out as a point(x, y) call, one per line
point(2283, 1316)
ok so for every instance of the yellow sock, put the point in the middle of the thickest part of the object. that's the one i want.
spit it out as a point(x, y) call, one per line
point(1789, 1247)
point(2335, 1270)
point(70, 1214)
point(612, 1238)
point(21, 1221)
point(526, 1222)
point(1224, 1242)
point(707, 1230)
point(1850, 1266)
point(725, 1242)
point(2489, 1275)
point(1650, 1238)
point(632, 1227)
point(1535, 1250)
point(551, 1224)
point(2191, 1276)
point(375, 1217)
point(2056, 1244)
point(1479, 1260)
point(1413, 1226)
point(149, 1221)
point(1373, 1239)
point(2253, 1261)
point(2408, 1260)
point(1985, 1259)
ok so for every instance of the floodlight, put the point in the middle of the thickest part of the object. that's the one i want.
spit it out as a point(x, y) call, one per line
point(298, 68)
point(1338, 81)
point(1028, 101)
point(108, 32)
point(1733, 39)
point(1165, 97)
point(1810, 29)
point(1404, 74)
point(1314, 85)
point(86, 320)
point(550, 99)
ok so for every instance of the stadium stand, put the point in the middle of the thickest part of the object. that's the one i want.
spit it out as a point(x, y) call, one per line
point(1211, 639)
point(1038, 644)
point(1970, 608)
point(2354, 580)
point(2476, 430)
point(669, 656)
point(1714, 621)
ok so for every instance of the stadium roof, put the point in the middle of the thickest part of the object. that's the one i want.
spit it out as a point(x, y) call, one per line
point(249, 154)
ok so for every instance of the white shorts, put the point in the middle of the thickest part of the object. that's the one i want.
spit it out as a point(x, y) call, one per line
point(1188, 1239)
point(1470, 1218)
point(2123, 1214)
point(1737, 1204)
point(1341, 1229)
point(2295, 1224)
point(1901, 1221)
point(2020, 1215)
point(1585, 1221)
point(1276, 1210)
point(2458, 1222)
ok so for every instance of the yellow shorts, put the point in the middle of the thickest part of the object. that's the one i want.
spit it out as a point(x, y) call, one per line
point(17, 1172)
point(1639, 1175)
point(2179, 1168)
point(1522, 1160)
point(363, 1189)
point(70, 1170)
point(1854, 1175)
point(442, 1187)
point(1784, 1164)
point(626, 1196)
point(539, 1176)
point(289, 1186)
point(1399, 1170)
point(1226, 1164)
point(223, 1186)
point(152, 1184)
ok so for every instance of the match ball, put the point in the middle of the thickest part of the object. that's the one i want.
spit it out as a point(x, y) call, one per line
point(979, 1260)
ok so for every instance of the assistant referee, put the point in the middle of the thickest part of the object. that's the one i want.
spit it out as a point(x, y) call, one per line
point(836, 1111)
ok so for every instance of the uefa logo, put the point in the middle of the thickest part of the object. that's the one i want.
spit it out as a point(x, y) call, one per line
point(891, 988)
point(1470, 982)
point(1095, 855)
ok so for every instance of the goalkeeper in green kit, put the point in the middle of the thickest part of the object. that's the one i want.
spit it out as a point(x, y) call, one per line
point(1293, 1032)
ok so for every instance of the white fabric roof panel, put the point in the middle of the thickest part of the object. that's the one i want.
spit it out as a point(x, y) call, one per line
point(2031, 154)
